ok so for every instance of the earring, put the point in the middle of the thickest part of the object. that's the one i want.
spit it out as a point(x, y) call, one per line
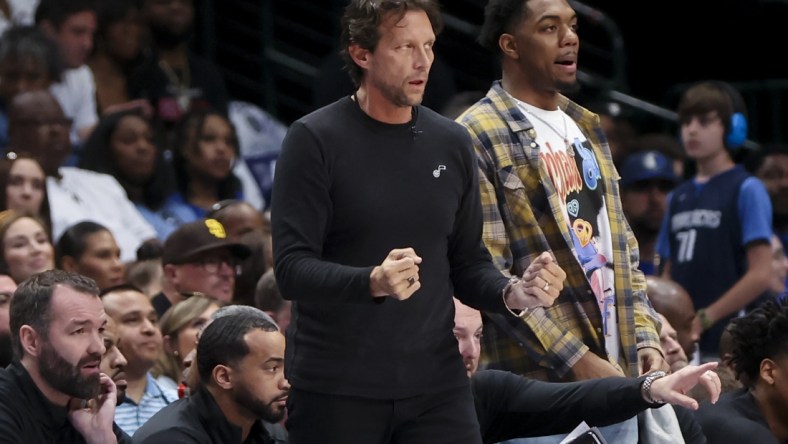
point(176, 353)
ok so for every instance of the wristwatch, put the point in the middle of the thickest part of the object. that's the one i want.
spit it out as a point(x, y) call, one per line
point(645, 388)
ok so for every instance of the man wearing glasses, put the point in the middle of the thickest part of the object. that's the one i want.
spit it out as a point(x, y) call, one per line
point(198, 257)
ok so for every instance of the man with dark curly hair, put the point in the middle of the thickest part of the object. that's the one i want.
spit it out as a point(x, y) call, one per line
point(759, 411)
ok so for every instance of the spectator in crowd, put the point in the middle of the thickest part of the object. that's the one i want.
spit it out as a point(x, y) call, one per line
point(673, 302)
point(666, 144)
point(146, 274)
point(128, 147)
point(510, 406)
point(779, 268)
point(204, 150)
point(24, 185)
point(7, 288)
point(118, 45)
point(728, 379)
point(238, 218)
point(71, 25)
point(38, 128)
point(179, 327)
point(770, 165)
point(199, 257)
point(25, 246)
point(240, 359)
point(245, 224)
point(113, 363)
point(557, 208)
point(172, 78)
point(54, 390)
point(674, 353)
point(268, 298)
point(372, 260)
point(90, 249)
point(646, 179)
point(547, 183)
point(29, 61)
point(714, 240)
point(140, 342)
point(757, 412)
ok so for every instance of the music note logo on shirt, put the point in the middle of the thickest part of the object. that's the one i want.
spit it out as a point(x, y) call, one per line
point(437, 172)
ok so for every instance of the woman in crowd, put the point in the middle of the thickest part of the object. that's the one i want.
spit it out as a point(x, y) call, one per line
point(25, 246)
point(179, 327)
point(125, 145)
point(205, 149)
point(24, 183)
point(117, 48)
point(90, 249)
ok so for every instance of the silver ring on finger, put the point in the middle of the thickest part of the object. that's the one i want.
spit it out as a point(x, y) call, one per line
point(546, 286)
point(411, 281)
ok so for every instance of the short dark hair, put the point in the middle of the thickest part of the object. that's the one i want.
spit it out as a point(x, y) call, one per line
point(72, 241)
point(28, 42)
point(222, 341)
point(361, 25)
point(761, 334)
point(58, 11)
point(32, 301)
point(711, 95)
point(500, 17)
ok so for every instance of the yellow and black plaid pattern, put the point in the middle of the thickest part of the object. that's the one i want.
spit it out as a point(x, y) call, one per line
point(523, 217)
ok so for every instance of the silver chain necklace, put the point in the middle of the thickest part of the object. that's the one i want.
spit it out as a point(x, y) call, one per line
point(564, 136)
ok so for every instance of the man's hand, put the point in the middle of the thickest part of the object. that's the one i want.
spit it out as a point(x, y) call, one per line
point(541, 284)
point(397, 276)
point(591, 366)
point(650, 359)
point(672, 388)
point(93, 418)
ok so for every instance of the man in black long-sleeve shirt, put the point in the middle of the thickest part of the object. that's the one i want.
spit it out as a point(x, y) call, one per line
point(376, 223)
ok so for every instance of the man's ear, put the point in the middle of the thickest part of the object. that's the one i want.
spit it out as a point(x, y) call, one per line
point(170, 272)
point(508, 46)
point(359, 55)
point(30, 340)
point(767, 370)
point(222, 376)
point(68, 263)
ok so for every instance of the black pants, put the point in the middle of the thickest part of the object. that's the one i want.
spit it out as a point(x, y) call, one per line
point(447, 417)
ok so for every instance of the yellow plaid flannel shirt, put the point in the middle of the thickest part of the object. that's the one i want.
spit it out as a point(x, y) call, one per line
point(523, 217)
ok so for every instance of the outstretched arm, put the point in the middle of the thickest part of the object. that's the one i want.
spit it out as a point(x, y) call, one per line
point(510, 406)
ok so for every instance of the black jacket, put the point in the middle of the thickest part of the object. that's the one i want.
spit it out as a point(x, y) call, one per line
point(26, 416)
point(198, 419)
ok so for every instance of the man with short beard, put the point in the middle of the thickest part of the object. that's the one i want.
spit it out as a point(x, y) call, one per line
point(240, 359)
point(54, 391)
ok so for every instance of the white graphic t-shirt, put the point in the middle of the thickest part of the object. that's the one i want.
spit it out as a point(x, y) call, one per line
point(575, 173)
